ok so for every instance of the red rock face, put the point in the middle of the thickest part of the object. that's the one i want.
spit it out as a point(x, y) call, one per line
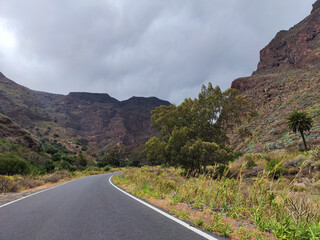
point(242, 84)
point(298, 47)
point(287, 79)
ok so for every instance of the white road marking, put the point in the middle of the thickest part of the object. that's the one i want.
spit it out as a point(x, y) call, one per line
point(201, 233)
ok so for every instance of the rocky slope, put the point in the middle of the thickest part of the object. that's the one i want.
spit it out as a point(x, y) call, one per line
point(287, 79)
point(13, 132)
point(92, 119)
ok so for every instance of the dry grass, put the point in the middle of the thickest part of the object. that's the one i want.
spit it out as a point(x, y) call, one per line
point(19, 183)
point(272, 204)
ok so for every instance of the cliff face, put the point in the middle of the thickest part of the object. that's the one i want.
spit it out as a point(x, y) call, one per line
point(287, 79)
point(98, 118)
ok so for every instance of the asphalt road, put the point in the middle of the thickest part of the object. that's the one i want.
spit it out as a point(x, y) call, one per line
point(88, 208)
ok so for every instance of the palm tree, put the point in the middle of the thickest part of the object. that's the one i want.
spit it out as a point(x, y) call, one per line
point(300, 121)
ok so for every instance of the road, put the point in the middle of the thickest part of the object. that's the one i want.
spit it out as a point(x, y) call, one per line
point(88, 208)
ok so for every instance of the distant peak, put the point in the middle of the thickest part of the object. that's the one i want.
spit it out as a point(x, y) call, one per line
point(138, 101)
point(91, 97)
point(315, 6)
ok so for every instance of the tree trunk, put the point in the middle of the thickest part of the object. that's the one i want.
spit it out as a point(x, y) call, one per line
point(304, 140)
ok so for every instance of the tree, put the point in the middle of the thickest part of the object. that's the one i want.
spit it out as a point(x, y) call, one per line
point(115, 156)
point(198, 155)
point(155, 151)
point(194, 134)
point(300, 122)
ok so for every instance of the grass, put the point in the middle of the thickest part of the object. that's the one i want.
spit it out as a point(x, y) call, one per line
point(17, 183)
point(256, 201)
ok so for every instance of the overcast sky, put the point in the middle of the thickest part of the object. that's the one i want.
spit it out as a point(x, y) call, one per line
point(162, 48)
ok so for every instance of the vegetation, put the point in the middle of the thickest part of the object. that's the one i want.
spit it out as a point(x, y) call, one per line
point(276, 198)
point(300, 122)
point(257, 196)
point(194, 134)
point(16, 183)
point(21, 168)
point(122, 156)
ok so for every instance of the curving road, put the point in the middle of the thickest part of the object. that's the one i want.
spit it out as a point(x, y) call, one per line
point(88, 208)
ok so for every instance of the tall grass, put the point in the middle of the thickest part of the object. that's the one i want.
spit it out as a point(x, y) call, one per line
point(269, 200)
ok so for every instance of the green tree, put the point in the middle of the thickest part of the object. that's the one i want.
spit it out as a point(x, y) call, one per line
point(155, 149)
point(300, 122)
point(115, 156)
point(194, 134)
point(198, 155)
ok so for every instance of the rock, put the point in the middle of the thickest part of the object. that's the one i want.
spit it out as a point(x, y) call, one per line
point(298, 47)
point(287, 78)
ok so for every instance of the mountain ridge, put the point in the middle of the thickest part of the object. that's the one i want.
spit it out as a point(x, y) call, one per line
point(97, 117)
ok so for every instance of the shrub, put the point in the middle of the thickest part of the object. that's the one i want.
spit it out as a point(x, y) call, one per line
point(6, 183)
point(84, 148)
point(49, 166)
point(275, 167)
point(11, 164)
point(251, 164)
point(64, 165)
point(52, 178)
point(56, 157)
point(106, 168)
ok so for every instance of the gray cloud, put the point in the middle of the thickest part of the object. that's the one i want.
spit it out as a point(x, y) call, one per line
point(143, 48)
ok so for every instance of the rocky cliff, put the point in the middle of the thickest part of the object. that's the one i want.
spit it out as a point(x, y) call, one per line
point(287, 79)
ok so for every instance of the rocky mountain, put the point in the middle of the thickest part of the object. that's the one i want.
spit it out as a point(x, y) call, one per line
point(287, 79)
point(97, 120)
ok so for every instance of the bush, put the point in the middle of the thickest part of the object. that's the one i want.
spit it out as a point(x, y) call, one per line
point(106, 168)
point(91, 169)
point(84, 148)
point(64, 165)
point(51, 150)
point(6, 184)
point(49, 166)
point(11, 164)
point(275, 167)
point(56, 157)
point(52, 178)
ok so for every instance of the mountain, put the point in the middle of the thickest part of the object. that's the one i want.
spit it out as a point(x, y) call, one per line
point(79, 118)
point(287, 79)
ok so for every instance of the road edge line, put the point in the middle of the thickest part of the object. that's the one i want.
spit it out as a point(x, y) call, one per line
point(196, 230)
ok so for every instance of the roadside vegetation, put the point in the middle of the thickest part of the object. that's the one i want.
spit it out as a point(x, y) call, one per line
point(257, 196)
point(270, 195)
point(23, 169)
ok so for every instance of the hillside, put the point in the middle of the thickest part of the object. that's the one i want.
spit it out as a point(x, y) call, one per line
point(12, 132)
point(287, 79)
point(97, 120)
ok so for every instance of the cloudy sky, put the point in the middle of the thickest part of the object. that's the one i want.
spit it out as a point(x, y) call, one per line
point(162, 48)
